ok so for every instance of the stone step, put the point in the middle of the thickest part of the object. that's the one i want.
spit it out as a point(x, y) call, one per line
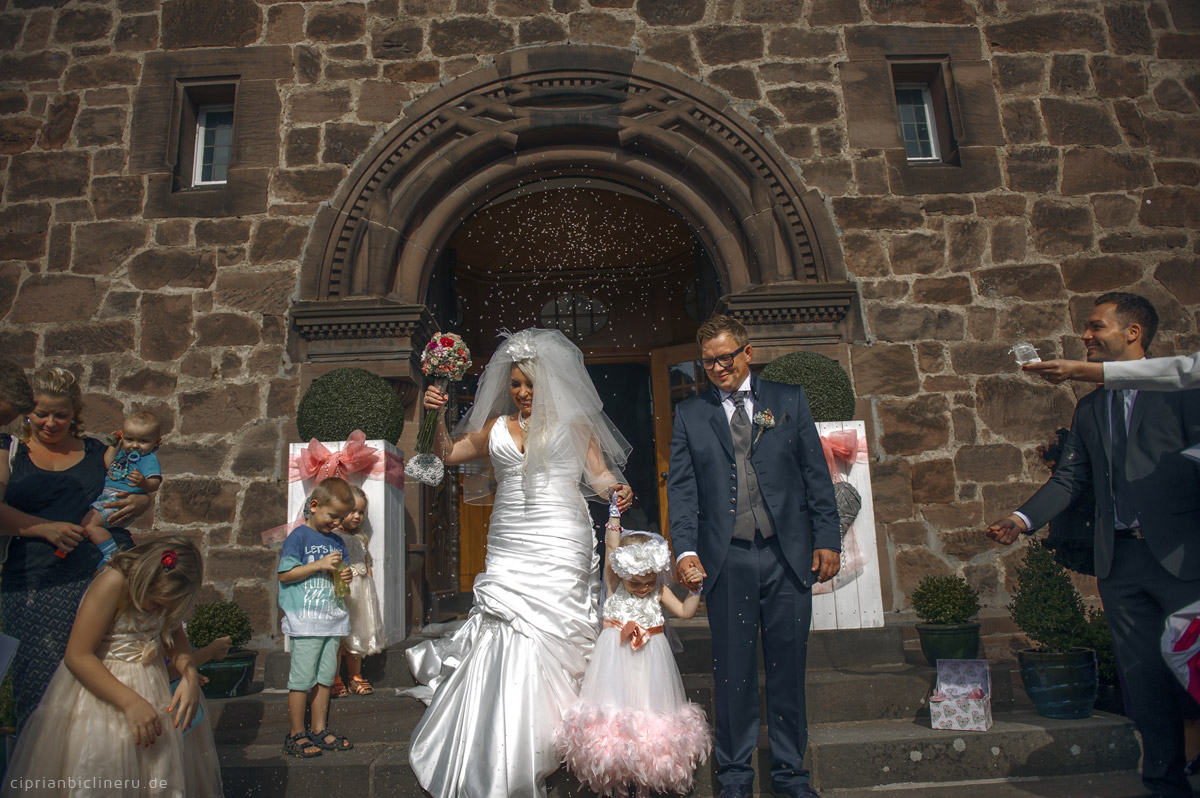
point(261, 719)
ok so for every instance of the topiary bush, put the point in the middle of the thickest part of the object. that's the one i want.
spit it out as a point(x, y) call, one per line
point(1046, 605)
point(347, 399)
point(218, 619)
point(1098, 638)
point(945, 600)
point(830, 396)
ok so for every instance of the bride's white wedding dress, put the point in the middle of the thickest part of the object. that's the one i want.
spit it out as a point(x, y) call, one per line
point(505, 678)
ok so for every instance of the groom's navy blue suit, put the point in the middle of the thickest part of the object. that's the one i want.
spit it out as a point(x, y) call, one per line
point(764, 581)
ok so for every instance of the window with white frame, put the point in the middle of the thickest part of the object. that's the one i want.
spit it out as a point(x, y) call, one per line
point(915, 106)
point(214, 144)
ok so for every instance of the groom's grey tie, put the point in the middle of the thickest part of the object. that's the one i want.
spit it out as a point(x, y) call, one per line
point(751, 514)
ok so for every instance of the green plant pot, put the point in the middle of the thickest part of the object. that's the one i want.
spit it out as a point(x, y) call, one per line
point(1060, 685)
point(229, 677)
point(1109, 699)
point(949, 640)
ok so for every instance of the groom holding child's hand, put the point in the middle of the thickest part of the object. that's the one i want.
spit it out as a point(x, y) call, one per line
point(753, 518)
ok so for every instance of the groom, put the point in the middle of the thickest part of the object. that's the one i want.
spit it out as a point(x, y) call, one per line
point(753, 517)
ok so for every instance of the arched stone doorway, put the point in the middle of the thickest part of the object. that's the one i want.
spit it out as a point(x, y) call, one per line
point(559, 113)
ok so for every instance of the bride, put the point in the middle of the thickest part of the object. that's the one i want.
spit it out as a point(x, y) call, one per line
point(504, 679)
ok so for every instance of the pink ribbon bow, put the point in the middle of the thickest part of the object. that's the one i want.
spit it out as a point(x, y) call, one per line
point(634, 633)
point(842, 445)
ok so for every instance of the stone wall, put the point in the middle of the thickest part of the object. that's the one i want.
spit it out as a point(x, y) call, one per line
point(1090, 185)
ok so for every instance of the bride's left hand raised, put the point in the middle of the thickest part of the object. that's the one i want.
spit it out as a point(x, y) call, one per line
point(624, 497)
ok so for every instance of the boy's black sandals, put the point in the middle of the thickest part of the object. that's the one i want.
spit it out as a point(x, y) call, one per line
point(331, 741)
point(298, 745)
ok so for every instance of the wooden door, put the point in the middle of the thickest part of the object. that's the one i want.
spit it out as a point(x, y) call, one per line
point(675, 375)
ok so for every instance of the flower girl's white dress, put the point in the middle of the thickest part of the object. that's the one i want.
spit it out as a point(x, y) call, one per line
point(77, 745)
point(633, 723)
point(366, 621)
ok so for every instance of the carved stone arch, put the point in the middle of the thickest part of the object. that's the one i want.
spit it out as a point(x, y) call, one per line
point(565, 111)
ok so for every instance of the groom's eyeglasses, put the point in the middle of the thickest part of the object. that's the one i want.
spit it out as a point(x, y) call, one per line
point(724, 361)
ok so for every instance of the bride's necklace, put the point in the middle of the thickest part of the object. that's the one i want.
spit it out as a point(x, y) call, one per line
point(522, 422)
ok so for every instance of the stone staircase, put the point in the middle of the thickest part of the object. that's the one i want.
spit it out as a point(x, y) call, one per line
point(868, 723)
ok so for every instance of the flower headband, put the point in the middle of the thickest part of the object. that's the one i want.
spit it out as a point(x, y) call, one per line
point(521, 346)
point(651, 557)
point(169, 558)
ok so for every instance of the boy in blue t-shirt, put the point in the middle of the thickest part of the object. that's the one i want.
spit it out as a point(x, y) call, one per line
point(314, 618)
point(132, 468)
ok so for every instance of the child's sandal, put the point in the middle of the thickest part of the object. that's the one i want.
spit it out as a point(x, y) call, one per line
point(360, 686)
point(293, 747)
point(338, 689)
point(338, 743)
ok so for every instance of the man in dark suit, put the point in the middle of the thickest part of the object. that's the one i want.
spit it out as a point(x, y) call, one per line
point(753, 519)
point(1124, 448)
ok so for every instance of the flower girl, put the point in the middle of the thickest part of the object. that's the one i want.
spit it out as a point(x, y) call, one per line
point(109, 723)
point(633, 725)
point(366, 622)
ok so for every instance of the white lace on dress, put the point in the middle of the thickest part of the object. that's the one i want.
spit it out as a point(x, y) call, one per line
point(624, 607)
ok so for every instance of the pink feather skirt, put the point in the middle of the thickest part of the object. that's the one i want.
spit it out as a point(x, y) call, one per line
point(633, 724)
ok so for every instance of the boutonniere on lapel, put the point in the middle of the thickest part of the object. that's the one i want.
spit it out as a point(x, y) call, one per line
point(764, 419)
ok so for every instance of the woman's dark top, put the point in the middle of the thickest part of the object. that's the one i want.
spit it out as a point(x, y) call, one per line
point(54, 496)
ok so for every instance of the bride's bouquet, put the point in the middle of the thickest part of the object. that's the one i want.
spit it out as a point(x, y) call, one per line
point(446, 359)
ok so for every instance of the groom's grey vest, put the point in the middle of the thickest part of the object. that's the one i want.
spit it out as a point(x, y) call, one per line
point(750, 512)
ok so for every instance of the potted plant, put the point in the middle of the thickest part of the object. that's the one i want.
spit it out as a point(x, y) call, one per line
point(349, 399)
point(1098, 638)
point(945, 605)
point(231, 676)
point(825, 383)
point(1059, 674)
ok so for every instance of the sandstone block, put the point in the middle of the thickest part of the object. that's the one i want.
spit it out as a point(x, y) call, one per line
point(148, 382)
point(1173, 206)
point(933, 481)
point(988, 463)
point(729, 44)
point(117, 197)
point(1033, 169)
point(400, 42)
point(1178, 275)
point(797, 42)
point(965, 516)
point(303, 145)
point(231, 565)
point(1043, 281)
point(803, 104)
point(23, 230)
point(85, 24)
point(738, 81)
point(771, 11)
point(601, 28)
point(1019, 74)
point(1020, 410)
point(282, 398)
point(1128, 242)
point(178, 268)
point(1000, 205)
point(381, 101)
point(267, 292)
point(914, 564)
point(1177, 173)
point(222, 232)
point(226, 329)
point(276, 240)
point(982, 358)
point(318, 105)
point(345, 144)
point(877, 213)
point(259, 451)
point(908, 533)
point(530, 8)
point(43, 298)
point(93, 338)
point(670, 12)
point(883, 370)
point(137, 34)
point(259, 604)
point(60, 120)
point(1132, 123)
point(964, 543)
point(915, 425)
point(18, 133)
point(1069, 74)
point(38, 66)
point(1048, 33)
point(102, 247)
point(906, 323)
point(345, 22)
point(1089, 170)
point(1022, 120)
point(795, 141)
point(1118, 77)
point(1182, 46)
point(1113, 210)
point(1173, 138)
point(1034, 321)
point(218, 411)
point(1070, 122)
point(167, 326)
point(100, 127)
point(1061, 229)
point(467, 36)
point(200, 23)
point(784, 72)
point(967, 242)
point(1129, 29)
point(264, 506)
point(308, 185)
point(412, 72)
point(942, 291)
point(834, 12)
point(1000, 500)
point(540, 29)
point(917, 253)
point(946, 12)
point(38, 175)
point(13, 101)
point(864, 256)
point(119, 70)
point(891, 485)
point(884, 289)
point(948, 206)
point(1009, 237)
